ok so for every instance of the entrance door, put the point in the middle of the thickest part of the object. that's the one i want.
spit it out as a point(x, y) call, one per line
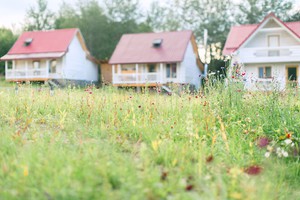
point(292, 76)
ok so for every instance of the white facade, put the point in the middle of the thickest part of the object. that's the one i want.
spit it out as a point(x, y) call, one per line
point(185, 72)
point(270, 57)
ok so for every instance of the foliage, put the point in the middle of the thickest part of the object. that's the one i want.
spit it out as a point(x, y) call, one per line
point(253, 11)
point(39, 18)
point(114, 144)
point(7, 39)
point(295, 17)
point(101, 33)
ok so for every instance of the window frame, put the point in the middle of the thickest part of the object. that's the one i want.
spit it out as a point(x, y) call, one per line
point(264, 74)
point(170, 72)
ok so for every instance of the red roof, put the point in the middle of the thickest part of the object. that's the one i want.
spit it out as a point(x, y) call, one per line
point(239, 34)
point(138, 48)
point(44, 42)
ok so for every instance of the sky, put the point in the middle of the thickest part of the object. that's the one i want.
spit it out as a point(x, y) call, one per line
point(12, 12)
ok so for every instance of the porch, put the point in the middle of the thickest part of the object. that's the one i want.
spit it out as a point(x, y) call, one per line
point(145, 74)
point(31, 70)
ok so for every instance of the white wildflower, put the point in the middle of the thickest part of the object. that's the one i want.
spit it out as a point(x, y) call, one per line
point(267, 154)
point(288, 141)
point(285, 154)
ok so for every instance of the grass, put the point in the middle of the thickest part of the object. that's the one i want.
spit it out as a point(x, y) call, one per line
point(113, 144)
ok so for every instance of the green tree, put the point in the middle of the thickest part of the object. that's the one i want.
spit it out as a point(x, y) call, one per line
point(40, 17)
point(253, 11)
point(7, 39)
point(101, 33)
point(123, 10)
point(294, 17)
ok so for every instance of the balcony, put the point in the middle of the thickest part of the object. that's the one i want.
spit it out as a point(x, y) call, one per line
point(138, 78)
point(269, 54)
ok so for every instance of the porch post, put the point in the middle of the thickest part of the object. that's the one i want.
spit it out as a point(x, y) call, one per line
point(26, 68)
point(47, 68)
point(13, 65)
point(6, 68)
point(161, 73)
point(113, 73)
point(136, 72)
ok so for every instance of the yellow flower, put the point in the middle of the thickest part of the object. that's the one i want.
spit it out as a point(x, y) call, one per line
point(155, 144)
point(25, 171)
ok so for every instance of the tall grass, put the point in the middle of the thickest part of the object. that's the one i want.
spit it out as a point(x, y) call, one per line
point(115, 144)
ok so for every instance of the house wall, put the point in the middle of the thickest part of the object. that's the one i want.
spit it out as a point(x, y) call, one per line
point(261, 39)
point(77, 66)
point(189, 70)
point(278, 80)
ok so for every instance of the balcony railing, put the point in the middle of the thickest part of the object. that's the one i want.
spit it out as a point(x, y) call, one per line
point(22, 74)
point(270, 54)
point(143, 78)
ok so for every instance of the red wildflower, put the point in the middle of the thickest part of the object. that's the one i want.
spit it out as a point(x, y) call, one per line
point(253, 170)
point(164, 176)
point(232, 77)
point(189, 187)
point(209, 159)
point(244, 73)
point(263, 142)
point(288, 135)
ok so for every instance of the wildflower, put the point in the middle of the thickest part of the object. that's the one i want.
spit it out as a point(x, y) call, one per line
point(25, 171)
point(267, 154)
point(263, 142)
point(232, 77)
point(253, 170)
point(285, 154)
point(140, 106)
point(209, 159)
point(288, 141)
point(288, 135)
point(189, 187)
point(244, 73)
point(164, 176)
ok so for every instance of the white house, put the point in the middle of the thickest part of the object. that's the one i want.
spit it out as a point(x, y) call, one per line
point(156, 59)
point(269, 53)
point(50, 55)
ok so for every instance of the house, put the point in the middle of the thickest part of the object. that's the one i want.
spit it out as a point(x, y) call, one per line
point(269, 53)
point(59, 55)
point(156, 59)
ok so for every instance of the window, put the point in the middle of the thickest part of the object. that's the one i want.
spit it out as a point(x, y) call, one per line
point(36, 64)
point(152, 68)
point(172, 70)
point(265, 72)
point(9, 65)
point(52, 68)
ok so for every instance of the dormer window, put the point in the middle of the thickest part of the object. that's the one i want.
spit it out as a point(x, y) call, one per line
point(28, 42)
point(157, 43)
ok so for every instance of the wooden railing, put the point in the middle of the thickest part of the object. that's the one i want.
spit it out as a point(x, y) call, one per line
point(136, 78)
point(22, 74)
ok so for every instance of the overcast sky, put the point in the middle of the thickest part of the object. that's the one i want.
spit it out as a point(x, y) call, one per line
point(12, 12)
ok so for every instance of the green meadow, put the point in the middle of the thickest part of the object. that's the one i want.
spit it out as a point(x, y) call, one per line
point(224, 143)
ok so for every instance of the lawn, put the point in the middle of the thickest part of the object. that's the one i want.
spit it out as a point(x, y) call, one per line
point(116, 144)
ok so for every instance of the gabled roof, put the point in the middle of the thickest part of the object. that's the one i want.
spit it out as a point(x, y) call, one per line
point(138, 48)
point(238, 35)
point(44, 44)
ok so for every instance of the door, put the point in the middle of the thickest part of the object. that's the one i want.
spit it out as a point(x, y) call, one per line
point(292, 76)
point(171, 72)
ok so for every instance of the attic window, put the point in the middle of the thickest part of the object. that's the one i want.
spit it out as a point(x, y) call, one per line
point(28, 41)
point(157, 43)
